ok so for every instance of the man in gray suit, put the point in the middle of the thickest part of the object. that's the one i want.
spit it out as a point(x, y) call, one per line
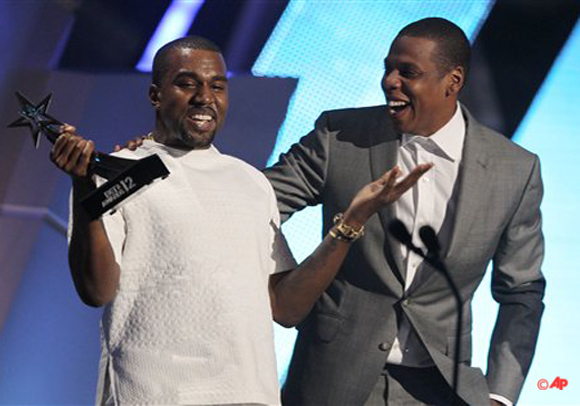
point(384, 330)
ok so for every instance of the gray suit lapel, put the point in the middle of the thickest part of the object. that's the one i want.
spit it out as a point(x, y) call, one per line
point(470, 192)
point(383, 156)
point(472, 182)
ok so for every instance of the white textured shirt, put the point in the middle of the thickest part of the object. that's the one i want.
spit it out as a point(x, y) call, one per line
point(191, 321)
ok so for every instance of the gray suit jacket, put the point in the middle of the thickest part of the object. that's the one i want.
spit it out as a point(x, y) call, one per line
point(342, 345)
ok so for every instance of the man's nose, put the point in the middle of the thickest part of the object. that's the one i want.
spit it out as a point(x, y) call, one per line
point(391, 80)
point(202, 96)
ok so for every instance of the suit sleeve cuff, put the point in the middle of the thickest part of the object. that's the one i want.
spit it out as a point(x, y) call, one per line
point(501, 399)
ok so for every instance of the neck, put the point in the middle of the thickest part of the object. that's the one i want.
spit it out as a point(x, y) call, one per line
point(446, 118)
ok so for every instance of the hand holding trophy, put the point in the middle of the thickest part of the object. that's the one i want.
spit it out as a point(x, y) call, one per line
point(125, 176)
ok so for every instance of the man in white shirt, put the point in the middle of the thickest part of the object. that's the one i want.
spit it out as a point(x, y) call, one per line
point(192, 270)
point(384, 330)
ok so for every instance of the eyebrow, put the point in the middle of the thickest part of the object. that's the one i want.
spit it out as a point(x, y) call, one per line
point(407, 65)
point(217, 78)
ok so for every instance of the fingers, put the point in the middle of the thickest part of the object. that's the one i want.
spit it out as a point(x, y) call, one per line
point(84, 160)
point(61, 142)
point(392, 176)
point(412, 178)
point(383, 191)
point(131, 145)
point(136, 143)
point(395, 172)
point(387, 180)
point(72, 153)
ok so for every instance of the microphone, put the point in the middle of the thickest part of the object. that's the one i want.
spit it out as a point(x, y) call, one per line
point(399, 231)
point(430, 240)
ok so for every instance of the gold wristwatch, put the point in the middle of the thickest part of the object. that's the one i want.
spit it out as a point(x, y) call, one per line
point(343, 232)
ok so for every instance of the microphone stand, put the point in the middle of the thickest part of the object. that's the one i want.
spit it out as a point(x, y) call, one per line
point(433, 257)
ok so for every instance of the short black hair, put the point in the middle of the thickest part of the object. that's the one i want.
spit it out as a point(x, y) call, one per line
point(160, 62)
point(453, 48)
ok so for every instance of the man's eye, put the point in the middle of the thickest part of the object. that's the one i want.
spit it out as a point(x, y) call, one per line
point(186, 84)
point(409, 73)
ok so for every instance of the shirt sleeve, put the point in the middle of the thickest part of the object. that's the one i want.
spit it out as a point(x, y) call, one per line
point(501, 399)
point(281, 255)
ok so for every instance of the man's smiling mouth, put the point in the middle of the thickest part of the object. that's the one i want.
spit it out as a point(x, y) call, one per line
point(202, 122)
point(201, 117)
point(397, 106)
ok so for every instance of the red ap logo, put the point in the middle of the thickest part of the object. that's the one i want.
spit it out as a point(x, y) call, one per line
point(559, 383)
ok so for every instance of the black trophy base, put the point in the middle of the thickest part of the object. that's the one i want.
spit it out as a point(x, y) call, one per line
point(132, 179)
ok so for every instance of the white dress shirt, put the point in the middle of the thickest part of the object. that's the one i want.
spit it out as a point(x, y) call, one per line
point(429, 202)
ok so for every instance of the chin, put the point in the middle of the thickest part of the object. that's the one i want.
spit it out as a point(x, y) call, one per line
point(402, 128)
point(200, 141)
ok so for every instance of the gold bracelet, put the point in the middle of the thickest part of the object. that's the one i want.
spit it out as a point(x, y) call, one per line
point(343, 232)
point(332, 232)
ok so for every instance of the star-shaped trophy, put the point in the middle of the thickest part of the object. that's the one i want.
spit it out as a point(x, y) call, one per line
point(124, 176)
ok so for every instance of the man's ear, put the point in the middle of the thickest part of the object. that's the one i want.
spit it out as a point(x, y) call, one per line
point(456, 80)
point(154, 96)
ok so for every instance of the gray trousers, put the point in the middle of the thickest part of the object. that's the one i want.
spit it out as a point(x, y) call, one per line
point(400, 385)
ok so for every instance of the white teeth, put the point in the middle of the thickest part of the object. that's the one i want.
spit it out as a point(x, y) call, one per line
point(201, 117)
point(397, 103)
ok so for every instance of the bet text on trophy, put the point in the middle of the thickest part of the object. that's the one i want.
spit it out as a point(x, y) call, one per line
point(124, 176)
